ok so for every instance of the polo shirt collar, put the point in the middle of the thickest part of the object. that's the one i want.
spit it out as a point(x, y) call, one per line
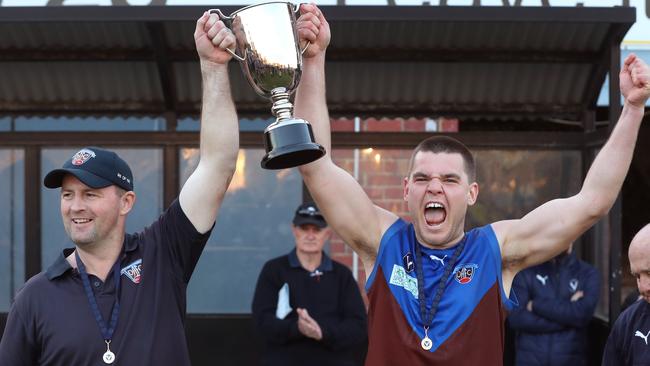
point(61, 264)
point(325, 263)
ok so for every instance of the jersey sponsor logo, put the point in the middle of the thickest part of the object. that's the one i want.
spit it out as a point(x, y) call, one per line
point(641, 335)
point(409, 265)
point(542, 279)
point(463, 273)
point(399, 278)
point(133, 271)
point(82, 156)
point(573, 284)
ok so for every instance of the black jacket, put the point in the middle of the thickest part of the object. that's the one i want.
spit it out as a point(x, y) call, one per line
point(331, 296)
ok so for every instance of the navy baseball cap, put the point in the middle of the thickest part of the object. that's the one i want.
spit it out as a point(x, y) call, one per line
point(95, 167)
point(308, 213)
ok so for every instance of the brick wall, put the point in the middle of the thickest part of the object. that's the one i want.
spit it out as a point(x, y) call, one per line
point(380, 172)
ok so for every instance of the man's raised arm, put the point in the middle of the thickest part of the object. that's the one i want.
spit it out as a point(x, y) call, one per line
point(204, 190)
point(343, 202)
point(552, 227)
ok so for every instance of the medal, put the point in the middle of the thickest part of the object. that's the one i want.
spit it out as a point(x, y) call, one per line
point(426, 341)
point(109, 356)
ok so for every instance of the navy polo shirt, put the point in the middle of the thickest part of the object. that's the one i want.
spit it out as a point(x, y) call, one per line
point(325, 264)
point(51, 322)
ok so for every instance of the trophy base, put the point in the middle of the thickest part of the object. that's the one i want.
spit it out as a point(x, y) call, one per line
point(290, 144)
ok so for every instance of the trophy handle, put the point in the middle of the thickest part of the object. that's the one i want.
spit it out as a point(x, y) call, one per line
point(228, 20)
point(296, 10)
point(304, 49)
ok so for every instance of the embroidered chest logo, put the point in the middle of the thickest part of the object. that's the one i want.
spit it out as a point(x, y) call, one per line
point(542, 279)
point(133, 271)
point(573, 284)
point(463, 273)
point(409, 265)
point(82, 156)
point(641, 335)
point(399, 278)
point(436, 258)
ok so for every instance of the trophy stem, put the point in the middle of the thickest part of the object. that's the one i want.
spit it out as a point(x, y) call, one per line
point(282, 108)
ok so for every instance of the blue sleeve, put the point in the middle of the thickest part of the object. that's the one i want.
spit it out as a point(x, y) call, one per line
point(576, 314)
point(520, 318)
point(17, 347)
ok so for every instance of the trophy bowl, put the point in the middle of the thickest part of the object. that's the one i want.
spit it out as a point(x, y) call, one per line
point(271, 60)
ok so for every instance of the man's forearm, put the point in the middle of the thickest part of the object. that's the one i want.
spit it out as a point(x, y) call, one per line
point(311, 103)
point(219, 129)
point(607, 173)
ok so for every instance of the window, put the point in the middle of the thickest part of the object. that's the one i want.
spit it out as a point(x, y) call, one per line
point(257, 124)
point(253, 226)
point(78, 124)
point(12, 225)
point(514, 182)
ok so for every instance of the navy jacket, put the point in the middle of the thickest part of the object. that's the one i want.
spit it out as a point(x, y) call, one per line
point(554, 333)
point(628, 342)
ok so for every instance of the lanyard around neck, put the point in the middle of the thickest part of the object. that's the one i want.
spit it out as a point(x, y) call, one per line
point(427, 318)
point(106, 330)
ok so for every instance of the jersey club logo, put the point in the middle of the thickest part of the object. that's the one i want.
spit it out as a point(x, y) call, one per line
point(463, 273)
point(133, 271)
point(82, 156)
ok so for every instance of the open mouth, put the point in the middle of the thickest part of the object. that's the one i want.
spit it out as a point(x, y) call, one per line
point(81, 221)
point(435, 213)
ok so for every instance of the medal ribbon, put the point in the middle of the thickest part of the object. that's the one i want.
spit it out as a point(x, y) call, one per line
point(107, 331)
point(427, 319)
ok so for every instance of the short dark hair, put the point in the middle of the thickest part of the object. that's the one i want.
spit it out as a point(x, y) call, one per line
point(446, 144)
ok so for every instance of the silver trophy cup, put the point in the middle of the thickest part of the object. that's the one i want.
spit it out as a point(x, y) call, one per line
point(270, 57)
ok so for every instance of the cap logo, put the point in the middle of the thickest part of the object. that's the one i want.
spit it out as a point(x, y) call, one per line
point(82, 156)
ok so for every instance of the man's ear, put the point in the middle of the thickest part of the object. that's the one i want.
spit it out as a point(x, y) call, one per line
point(405, 193)
point(329, 233)
point(126, 202)
point(472, 194)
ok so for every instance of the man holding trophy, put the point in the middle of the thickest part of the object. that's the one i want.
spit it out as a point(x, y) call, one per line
point(437, 294)
point(116, 298)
